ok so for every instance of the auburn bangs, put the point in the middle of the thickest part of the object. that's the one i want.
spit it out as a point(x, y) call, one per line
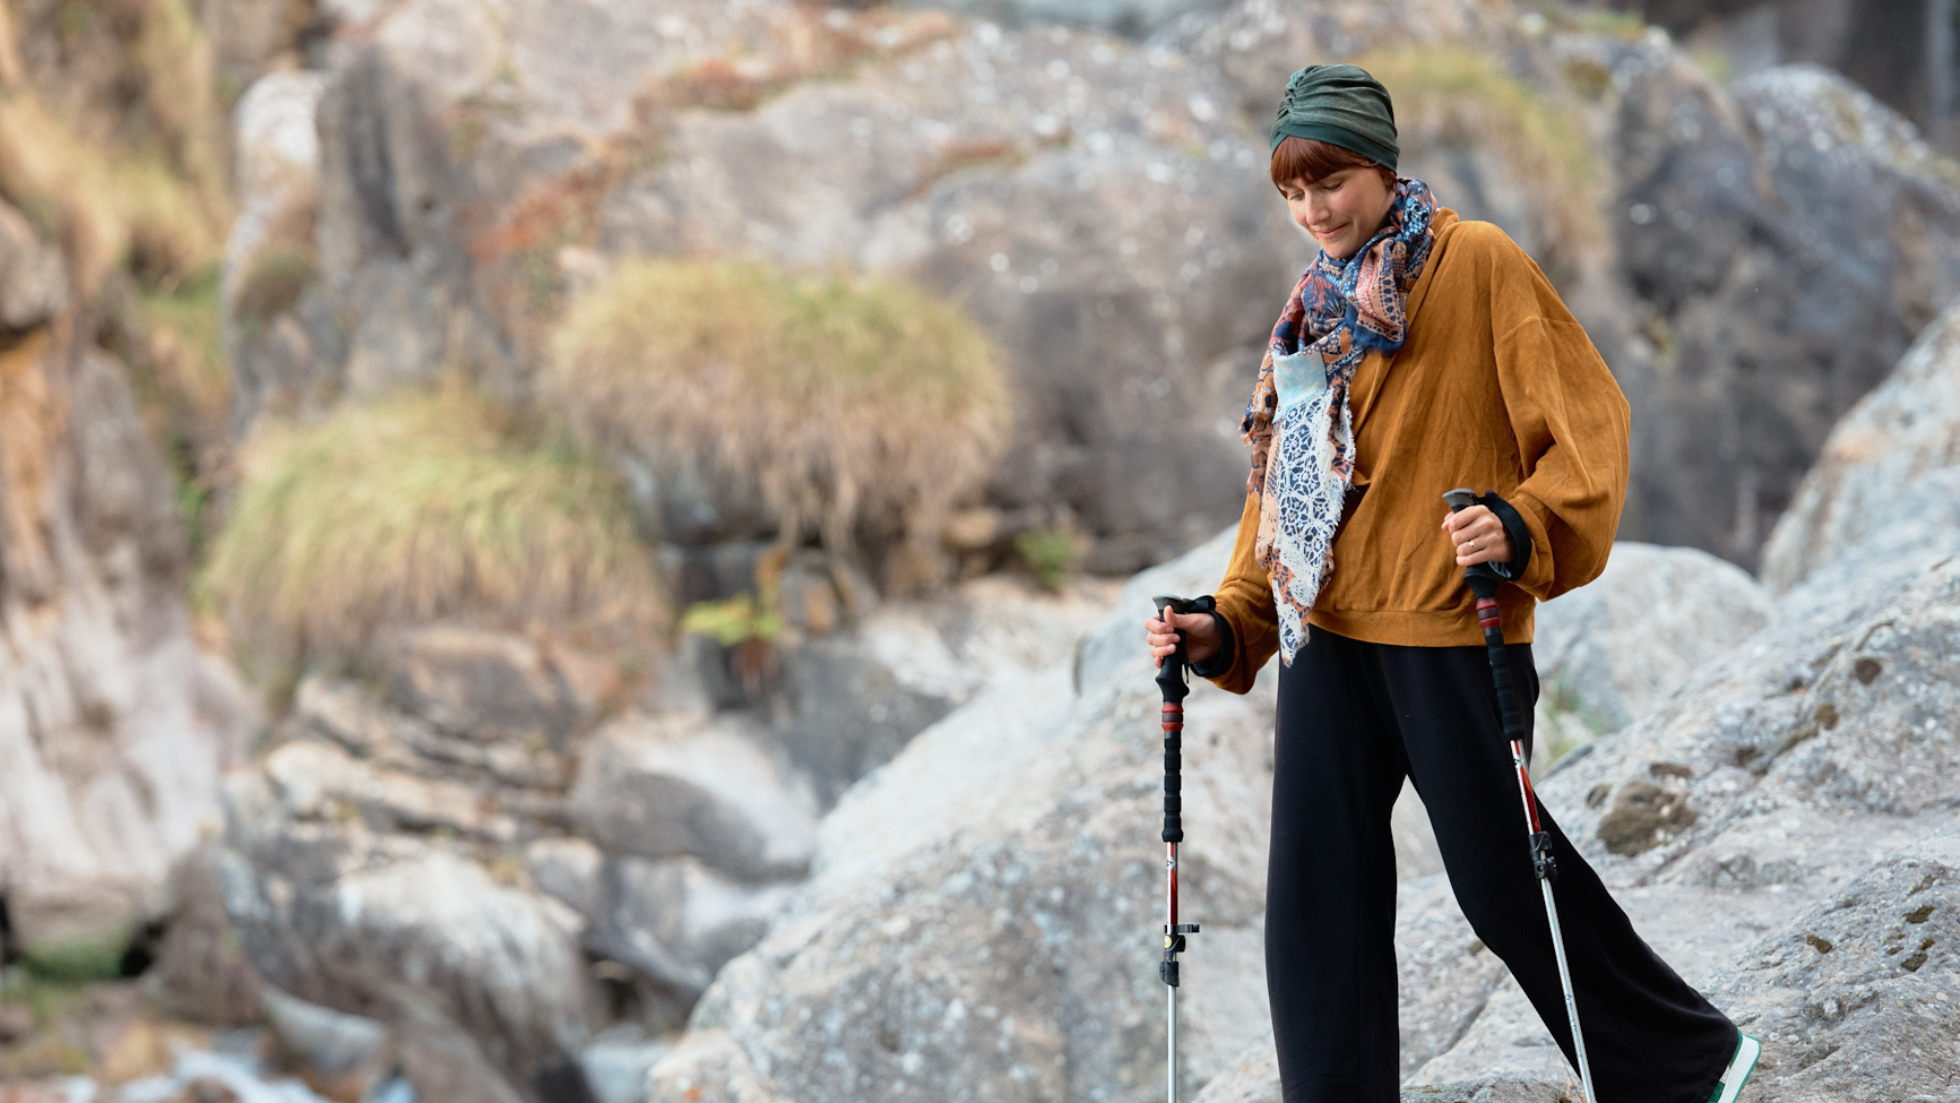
point(1307, 160)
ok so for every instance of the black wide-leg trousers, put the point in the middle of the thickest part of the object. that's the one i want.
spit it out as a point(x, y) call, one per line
point(1354, 718)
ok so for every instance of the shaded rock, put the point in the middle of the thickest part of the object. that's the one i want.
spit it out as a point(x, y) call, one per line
point(677, 921)
point(33, 280)
point(567, 870)
point(314, 780)
point(849, 700)
point(1900, 52)
point(482, 984)
point(333, 1044)
point(1869, 476)
point(616, 1067)
point(201, 972)
point(1132, 18)
point(348, 715)
point(1792, 236)
point(657, 790)
point(495, 686)
point(986, 904)
point(114, 729)
point(1618, 646)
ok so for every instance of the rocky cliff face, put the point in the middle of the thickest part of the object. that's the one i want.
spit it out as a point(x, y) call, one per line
point(506, 865)
point(114, 728)
point(516, 861)
point(1096, 205)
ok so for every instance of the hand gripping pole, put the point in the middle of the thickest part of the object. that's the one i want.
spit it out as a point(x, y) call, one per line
point(1170, 679)
point(1484, 583)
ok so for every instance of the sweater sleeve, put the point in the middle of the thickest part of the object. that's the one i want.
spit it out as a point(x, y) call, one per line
point(1245, 602)
point(1571, 424)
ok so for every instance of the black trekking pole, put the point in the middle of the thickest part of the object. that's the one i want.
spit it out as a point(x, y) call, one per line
point(1484, 583)
point(1170, 679)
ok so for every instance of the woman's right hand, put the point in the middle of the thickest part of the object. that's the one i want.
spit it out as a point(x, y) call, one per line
point(1201, 640)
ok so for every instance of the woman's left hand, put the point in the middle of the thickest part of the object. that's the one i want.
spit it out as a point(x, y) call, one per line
point(1478, 535)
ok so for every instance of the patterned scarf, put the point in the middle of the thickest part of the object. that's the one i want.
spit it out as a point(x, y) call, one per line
point(1298, 423)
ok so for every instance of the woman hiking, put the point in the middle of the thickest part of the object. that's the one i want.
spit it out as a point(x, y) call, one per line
point(1420, 353)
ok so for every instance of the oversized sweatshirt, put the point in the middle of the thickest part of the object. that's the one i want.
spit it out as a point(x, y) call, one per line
point(1497, 388)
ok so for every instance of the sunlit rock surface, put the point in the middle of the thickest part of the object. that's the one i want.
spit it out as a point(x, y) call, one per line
point(1891, 466)
point(114, 728)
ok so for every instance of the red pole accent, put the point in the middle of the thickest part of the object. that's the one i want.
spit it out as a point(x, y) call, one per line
point(1488, 615)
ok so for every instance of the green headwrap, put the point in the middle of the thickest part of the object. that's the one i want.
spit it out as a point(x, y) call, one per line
point(1340, 105)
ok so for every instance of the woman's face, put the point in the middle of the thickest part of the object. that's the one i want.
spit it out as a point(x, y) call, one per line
point(1342, 210)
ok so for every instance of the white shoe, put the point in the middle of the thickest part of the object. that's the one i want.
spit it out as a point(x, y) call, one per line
point(1737, 1074)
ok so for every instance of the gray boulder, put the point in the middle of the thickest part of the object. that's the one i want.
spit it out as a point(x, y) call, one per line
point(33, 279)
point(115, 728)
point(678, 921)
point(1792, 236)
point(1893, 458)
point(656, 790)
point(1616, 647)
point(1859, 997)
point(982, 918)
point(482, 983)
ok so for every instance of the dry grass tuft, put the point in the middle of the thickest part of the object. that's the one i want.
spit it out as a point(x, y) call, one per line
point(176, 365)
point(1447, 96)
point(852, 407)
point(420, 507)
point(113, 140)
point(111, 208)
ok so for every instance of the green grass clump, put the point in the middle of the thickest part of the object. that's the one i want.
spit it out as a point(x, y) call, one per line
point(183, 388)
point(1048, 553)
point(420, 507)
point(851, 407)
point(81, 961)
point(274, 280)
point(736, 620)
point(1449, 96)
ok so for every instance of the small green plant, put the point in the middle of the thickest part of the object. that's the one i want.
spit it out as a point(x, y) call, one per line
point(744, 624)
point(847, 406)
point(183, 389)
point(420, 507)
point(1048, 553)
point(277, 276)
point(78, 961)
point(734, 621)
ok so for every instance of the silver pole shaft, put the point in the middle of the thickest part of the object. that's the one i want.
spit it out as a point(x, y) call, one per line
point(1172, 1064)
point(1571, 1005)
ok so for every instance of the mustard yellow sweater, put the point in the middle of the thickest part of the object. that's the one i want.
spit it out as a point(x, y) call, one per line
point(1496, 388)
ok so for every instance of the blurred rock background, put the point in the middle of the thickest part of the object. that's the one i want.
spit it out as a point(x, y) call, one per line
point(565, 550)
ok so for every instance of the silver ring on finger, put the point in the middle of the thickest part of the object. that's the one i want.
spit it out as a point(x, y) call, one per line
point(1473, 545)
